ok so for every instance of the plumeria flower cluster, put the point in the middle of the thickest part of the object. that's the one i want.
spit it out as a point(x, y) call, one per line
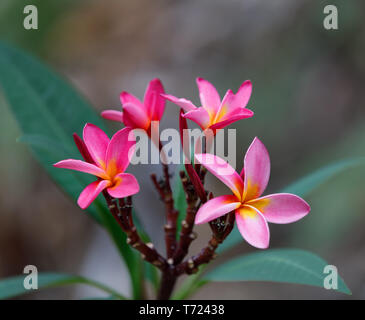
point(107, 159)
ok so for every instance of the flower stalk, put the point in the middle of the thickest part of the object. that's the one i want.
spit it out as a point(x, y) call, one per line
point(122, 213)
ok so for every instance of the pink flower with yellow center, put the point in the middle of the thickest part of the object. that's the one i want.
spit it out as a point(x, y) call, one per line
point(137, 114)
point(110, 159)
point(214, 113)
point(252, 211)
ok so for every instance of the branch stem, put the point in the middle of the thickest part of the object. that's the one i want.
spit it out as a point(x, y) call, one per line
point(123, 215)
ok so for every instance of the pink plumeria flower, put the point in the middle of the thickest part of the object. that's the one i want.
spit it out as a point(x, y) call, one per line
point(137, 114)
point(111, 158)
point(214, 113)
point(252, 211)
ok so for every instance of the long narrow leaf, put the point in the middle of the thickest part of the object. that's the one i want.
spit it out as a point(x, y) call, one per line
point(306, 185)
point(48, 110)
point(277, 265)
point(14, 286)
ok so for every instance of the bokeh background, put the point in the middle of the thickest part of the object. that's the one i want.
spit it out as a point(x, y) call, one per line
point(308, 99)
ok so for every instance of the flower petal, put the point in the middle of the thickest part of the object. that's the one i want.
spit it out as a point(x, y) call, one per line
point(253, 227)
point(126, 97)
point(113, 115)
point(281, 207)
point(232, 117)
point(120, 151)
point(257, 170)
point(186, 105)
point(223, 171)
point(224, 107)
point(135, 117)
point(154, 103)
point(209, 96)
point(96, 142)
point(215, 208)
point(81, 146)
point(89, 194)
point(199, 116)
point(125, 185)
point(82, 166)
point(243, 95)
point(242, 174)
point(184, 137)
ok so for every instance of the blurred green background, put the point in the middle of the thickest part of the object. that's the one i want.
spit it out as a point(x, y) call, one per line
point(308, 99)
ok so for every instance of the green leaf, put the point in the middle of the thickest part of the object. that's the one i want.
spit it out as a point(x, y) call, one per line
point(48, 111)
point(43, 142)
point(14, 286)
point(277, 265)
point(307, 184)
point(303, 187)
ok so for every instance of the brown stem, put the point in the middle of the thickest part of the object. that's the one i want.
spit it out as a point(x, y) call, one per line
point(208, 253)
point(203, 172)
point(200, 170)
point(123, 215)
point(196, 181)
point(165, 192)
point(186, 235)
point(171, 216)
point(168, 281)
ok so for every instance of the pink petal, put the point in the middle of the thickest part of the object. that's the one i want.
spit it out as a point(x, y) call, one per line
point(281, 207)
point(233, 106)
point(96, 142)
point(154, 103)
point(209, 96)
point(253, 227)
point(215, 208)
point(257, 170)
point(223, 171)
point(82, 166)
point(199, 116)
point(243, 95)
point(233, 117)
point(113, 115)
point(89, 194)
point(125, 185)
point(126, 97)
point(186, 105)
point(184, 137)
point(242, 174)
point(225, 106)
point(120, 151)
point(81, 146)
point(135, 117)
